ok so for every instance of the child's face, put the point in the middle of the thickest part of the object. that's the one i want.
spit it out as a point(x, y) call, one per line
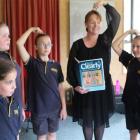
point(44, 46)
point(8, 84)
point(136, 48)
point(4, 38)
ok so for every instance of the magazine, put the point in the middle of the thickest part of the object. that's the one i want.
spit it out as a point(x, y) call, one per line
point(91, 74)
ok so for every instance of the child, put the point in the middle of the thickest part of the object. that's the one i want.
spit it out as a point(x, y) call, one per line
point(131, 94)
point(45, 84)
point(9, 107)
point(4, 48)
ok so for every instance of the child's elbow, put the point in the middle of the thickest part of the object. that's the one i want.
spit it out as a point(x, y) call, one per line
point(114, 47)
point(18, 43)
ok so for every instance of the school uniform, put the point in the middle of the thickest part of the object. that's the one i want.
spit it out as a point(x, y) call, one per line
point(10, 119)
point(43, 94)
point(11, 108)
point(131, 93)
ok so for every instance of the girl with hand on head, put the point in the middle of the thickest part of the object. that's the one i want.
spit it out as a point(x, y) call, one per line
point(131, 93)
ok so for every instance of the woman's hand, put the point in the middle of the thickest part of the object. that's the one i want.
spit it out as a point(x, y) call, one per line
point(80, 90)
point(100, 3)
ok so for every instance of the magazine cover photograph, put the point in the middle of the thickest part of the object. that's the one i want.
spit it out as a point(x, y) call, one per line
point(91, 74)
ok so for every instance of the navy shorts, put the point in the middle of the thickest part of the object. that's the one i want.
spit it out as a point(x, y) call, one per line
point(132, 118)
point(43, 125)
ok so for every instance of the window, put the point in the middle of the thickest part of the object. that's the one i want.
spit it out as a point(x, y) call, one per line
point(131, 21)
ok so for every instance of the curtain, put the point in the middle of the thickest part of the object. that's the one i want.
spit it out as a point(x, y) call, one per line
point(19, 15)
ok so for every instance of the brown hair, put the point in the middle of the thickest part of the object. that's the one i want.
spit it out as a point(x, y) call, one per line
point(6, 66)
point(39, 36)
point(90, 13)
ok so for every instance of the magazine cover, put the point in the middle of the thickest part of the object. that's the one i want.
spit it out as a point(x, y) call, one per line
point(91, 74)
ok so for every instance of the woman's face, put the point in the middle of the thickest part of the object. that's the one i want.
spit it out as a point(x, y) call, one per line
point(8, 84)
point(4, 38)
point(136, 48)
point(93, 25)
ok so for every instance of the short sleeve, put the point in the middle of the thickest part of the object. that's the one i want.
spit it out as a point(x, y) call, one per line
point(125, 58)
point(29, 64)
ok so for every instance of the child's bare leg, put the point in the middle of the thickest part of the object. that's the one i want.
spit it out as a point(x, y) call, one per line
point(42, 137)
point(51, 136)
point(133, 134)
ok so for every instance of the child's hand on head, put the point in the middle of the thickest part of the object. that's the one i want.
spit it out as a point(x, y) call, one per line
point(37, 30)
point(134, 31)
point(137, 32)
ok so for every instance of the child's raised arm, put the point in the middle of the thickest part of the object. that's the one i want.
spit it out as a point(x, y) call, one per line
point(21, 41)
point(116, 44)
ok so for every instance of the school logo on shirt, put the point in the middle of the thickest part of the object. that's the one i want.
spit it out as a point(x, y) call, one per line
point(54, 70)
point(16, 112)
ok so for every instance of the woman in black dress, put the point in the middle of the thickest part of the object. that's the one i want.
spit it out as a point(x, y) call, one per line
point(92, 109)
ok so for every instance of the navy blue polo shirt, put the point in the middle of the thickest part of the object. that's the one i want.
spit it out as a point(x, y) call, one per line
point(131, 93)
point(9, 118)
point(43, 80)
point(10, 126)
